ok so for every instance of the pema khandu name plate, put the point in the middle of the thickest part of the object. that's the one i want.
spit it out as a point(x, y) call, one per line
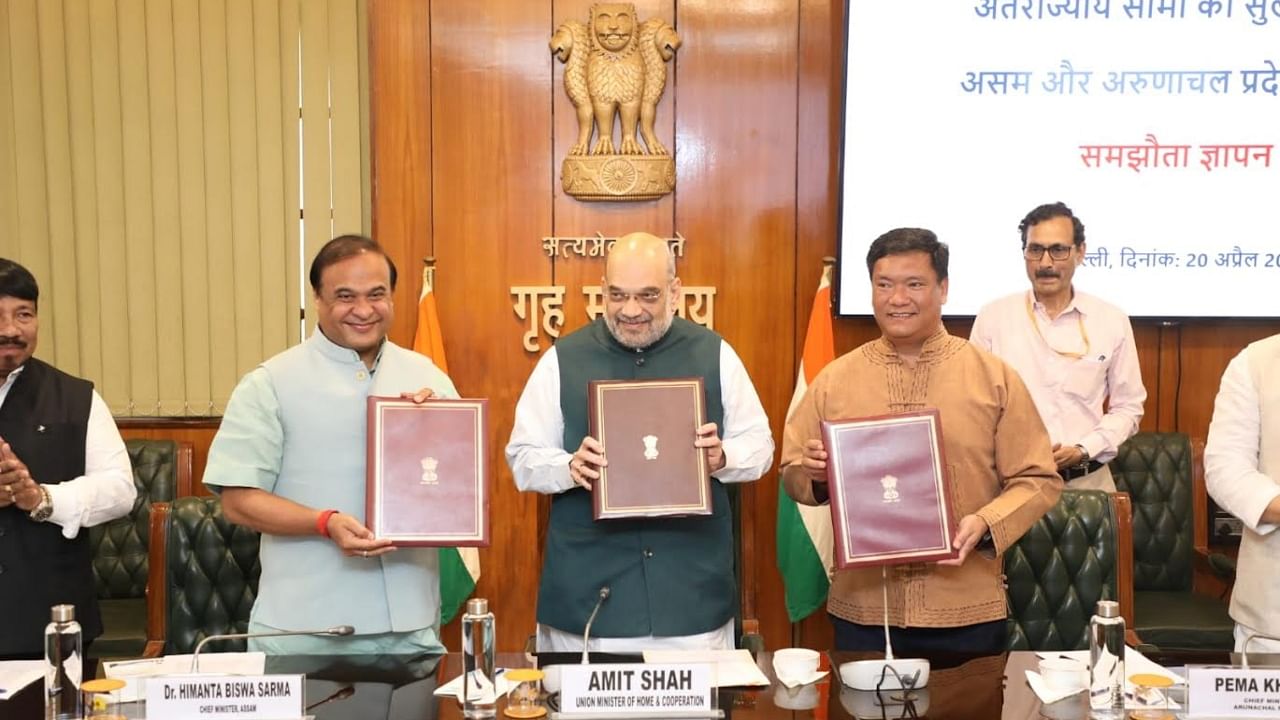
point(1233, 692)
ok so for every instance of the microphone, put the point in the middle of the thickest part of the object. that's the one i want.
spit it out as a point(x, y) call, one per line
point(586, 632)
point(891, 673)
point(335, 631)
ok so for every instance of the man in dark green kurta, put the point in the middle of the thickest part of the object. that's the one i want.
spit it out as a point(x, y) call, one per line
point(670, 581)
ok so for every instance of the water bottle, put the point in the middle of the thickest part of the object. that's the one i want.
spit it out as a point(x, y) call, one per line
point(1106, 661)
point(479, 694)
point(63, 660)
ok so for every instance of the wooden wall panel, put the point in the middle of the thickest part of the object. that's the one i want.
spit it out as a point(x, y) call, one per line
point(736, 204)
point(1198, 362)
point(492, 177)
point(1147, 338)
point(470, 123)
point(400, 146)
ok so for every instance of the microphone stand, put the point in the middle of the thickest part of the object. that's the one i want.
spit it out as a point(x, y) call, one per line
point(1244, 649)
point(336, 631)
point(907, 674)
point(884, 588)
point(586, 632)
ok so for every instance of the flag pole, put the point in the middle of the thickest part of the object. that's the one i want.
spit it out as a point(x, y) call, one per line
point(428, 274)
point(459, 568)
point(804, 533)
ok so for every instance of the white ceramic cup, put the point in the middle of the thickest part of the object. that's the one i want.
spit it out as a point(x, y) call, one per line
point(799, 663)
point(1064, 673)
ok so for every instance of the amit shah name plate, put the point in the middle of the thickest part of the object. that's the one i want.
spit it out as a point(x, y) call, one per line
point(890, 492)
point(428, 472)
point(647, 428)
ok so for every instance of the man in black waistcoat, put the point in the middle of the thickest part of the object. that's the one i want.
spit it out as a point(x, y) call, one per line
point(671, 580)
point(63, 467)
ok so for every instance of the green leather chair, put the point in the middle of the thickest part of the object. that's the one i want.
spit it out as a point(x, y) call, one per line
point(161, 472)
point(204, 576)
point(1071, 558)
point(1158, 470)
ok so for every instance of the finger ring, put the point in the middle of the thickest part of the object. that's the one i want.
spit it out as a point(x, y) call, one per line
point(364, 553)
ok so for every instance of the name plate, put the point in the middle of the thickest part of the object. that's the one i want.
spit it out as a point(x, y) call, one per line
point(631, 689)
point(1232, 692)
point(225, 697)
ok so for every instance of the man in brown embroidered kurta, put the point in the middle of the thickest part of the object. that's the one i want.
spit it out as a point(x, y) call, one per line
point(1001, 466)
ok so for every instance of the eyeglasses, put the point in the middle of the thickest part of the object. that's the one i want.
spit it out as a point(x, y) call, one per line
point(648, 296)
point(1057, 252)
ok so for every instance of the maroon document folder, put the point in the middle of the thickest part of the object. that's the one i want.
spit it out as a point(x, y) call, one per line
point(428, 472)
point(647, 428)
point(890, 490)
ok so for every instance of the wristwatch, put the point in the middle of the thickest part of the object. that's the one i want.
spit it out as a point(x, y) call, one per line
point(986, 545)
point(1084, 455)
point(45, 508)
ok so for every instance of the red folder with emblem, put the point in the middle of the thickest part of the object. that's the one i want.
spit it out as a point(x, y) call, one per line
point(890, 490)
point(428, 472)
point(647, 428)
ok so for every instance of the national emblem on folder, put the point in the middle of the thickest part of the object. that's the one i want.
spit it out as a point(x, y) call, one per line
point(428, 472)
point(647, 428)
point(890, 490)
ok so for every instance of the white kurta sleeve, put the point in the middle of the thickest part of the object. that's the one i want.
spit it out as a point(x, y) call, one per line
point(105, 491)
point(1231, 453)
point(535, 451)
point(748, 442)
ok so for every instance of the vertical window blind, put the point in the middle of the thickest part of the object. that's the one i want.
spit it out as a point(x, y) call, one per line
point(167, 168)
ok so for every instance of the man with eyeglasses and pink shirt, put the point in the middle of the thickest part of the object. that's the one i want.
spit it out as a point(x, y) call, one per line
point(1074, 351)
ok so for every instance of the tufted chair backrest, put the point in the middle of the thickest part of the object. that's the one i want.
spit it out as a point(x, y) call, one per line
point(1155, 469)
point(1058, 571)
point(120, 546)
point(211, 571)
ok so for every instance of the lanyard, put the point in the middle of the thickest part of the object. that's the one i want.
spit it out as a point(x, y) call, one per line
point(1064, 353)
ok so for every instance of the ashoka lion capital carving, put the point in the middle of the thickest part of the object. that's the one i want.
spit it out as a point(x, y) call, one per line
point(615, 69)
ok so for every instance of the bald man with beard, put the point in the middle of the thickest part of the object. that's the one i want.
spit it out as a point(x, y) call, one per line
point(671, 579)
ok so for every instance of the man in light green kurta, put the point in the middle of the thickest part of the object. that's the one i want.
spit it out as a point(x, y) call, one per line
point(291, 450)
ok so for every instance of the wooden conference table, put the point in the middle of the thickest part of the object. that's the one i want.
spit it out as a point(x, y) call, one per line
point(396, 688)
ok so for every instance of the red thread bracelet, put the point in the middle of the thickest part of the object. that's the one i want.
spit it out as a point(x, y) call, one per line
point(322, 522)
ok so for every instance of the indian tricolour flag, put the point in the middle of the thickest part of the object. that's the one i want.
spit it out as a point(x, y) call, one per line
point(804, 532)
point(459, 567)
